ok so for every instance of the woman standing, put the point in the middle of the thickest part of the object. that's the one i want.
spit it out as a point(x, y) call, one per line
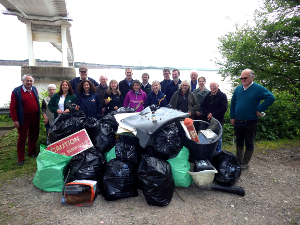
point(61, 102)
point(88, 100)
point(200, 93)
point(113, 100)
point(156, 97)
point(135, 97)
point(185, 100)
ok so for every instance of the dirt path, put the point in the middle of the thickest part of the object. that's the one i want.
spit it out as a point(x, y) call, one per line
point(272, 186)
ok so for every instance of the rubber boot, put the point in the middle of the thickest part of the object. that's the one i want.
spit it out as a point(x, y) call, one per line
point(246, 160)
point(240, 153)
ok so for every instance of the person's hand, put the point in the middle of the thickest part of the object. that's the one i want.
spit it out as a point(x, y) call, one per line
point(67, 111)
point(106, 102)
point(59, 111)
point(209, 116)
point(232, 121)
point(116, 108)
point(190, 113)
point(198, 113)
point(16, 124)
point(46, 120)
point(77, 107)
point(259, 114)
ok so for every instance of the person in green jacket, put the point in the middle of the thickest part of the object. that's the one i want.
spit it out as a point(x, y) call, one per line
point(60, 102)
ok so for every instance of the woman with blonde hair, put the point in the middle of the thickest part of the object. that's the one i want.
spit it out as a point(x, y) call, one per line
point(156, 97)
point(113, 99)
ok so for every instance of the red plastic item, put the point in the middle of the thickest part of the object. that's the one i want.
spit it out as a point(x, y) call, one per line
point(189, 123)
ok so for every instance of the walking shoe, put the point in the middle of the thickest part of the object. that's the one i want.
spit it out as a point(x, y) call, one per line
point(20, 163)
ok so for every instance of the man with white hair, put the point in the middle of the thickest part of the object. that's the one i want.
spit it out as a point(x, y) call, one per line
point(25, 112)
point(46, 113)
point(194, 77)
point(102, 88)
point(215, 105)
point(172, 87)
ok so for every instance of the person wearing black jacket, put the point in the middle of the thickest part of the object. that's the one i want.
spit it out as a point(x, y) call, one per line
point(113, 99)
point(125, 85)
point(215, 105)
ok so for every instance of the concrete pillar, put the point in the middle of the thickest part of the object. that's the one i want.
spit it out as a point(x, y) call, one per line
point(30, 45)
point(64, 46)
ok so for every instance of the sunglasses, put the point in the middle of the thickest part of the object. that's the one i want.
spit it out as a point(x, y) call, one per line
point(243, 78)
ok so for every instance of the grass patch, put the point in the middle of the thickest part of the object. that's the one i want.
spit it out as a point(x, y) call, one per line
point(6, 123)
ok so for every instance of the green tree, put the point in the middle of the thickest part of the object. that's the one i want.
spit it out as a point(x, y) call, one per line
point(271, 47)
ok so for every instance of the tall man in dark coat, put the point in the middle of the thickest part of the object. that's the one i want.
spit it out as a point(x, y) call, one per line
point(25, 112)
point(166, 81)
point(124, 85)
point(145, 86)
point(215, 105)
point(173, 86)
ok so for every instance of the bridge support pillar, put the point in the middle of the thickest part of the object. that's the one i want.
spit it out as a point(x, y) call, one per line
point(64, 46)
point(30, 45)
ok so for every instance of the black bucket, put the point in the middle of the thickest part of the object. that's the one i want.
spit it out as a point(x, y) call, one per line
point(202, 151)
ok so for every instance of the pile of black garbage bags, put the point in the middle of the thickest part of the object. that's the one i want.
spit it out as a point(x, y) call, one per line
point(132, 168)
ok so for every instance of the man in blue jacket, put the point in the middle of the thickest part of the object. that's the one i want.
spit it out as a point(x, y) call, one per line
point(245, 109)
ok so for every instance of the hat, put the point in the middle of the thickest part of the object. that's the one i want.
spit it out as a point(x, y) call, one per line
point(83, 69)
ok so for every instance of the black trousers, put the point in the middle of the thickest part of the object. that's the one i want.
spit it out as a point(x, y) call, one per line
point(245, 131)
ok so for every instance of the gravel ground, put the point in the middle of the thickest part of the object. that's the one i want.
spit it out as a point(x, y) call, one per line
point(272, 186)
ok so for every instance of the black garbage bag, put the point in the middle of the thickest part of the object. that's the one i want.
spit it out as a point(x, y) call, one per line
point(125, 110)
point(228, 166)
point(166, 143)
point(93, 128)
point(66, 124)
point(155, 177)
point(128, 147)
point(87, 165)
point(119, 180)
point(107, 137)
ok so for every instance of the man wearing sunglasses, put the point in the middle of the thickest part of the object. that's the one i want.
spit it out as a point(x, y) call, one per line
point(83, 71)
point(245, 109)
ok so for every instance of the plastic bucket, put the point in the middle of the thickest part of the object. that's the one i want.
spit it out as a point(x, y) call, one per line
point(204, 177)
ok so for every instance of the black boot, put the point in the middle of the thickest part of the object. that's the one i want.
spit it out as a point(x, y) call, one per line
point(240, 153)
point(247, 158)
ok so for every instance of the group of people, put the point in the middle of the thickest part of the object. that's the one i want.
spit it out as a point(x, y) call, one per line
point(97, 100)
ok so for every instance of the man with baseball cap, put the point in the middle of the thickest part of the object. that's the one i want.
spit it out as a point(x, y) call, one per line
point(83, 76)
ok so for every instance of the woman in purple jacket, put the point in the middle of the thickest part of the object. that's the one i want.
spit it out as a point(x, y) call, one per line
point(135, 97)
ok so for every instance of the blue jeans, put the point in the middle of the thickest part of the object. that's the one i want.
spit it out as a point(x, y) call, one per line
point(219, 146)
point(245, 131)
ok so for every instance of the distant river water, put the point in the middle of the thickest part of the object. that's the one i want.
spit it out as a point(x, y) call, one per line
point(12, 78)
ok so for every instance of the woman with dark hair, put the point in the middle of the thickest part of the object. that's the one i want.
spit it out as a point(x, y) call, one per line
point(185, 100)
point(88, 100)
point(113, 100)
point(135, 97)
point(61, 102)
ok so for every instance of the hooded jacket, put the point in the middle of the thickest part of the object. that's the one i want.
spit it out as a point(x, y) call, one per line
point(132, 99)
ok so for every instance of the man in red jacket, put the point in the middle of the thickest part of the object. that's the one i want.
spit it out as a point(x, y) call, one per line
point(25, 112)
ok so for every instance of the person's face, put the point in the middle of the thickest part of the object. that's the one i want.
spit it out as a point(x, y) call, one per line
point(65, 87)
point(201, 82)
point(245, 78)
point(194, 76)
point(155, 87)
point(113, 85)
point(103, 80)
point(214, 88)
point(128, 74)
point(145, 79)
point(166, 75)
point(175, 75)
point(136, 87)
point(27, 82)
point(184, 87)
point(83, 75)
point(51, 91)
point(86, 86)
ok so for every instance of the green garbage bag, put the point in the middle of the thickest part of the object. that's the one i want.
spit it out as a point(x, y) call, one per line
point(111, 154)
point(180, 166)
point(50, 170)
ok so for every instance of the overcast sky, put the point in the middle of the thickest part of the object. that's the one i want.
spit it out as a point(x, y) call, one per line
point(149, 33)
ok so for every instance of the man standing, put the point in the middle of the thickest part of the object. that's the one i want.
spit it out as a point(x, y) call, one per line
point(194, 77)
point(146, 87)
point(245, 109)
point(48, 116)
point(215, 105)
point(124, 85)
point(172, 87)
point(102, 88)
point(166, 81)
point(83, 71)
point(25, 112)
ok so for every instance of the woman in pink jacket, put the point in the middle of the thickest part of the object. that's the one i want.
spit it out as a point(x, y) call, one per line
point(135, 96)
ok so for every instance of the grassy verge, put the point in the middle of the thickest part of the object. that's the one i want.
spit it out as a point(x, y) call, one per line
point(8, 155)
